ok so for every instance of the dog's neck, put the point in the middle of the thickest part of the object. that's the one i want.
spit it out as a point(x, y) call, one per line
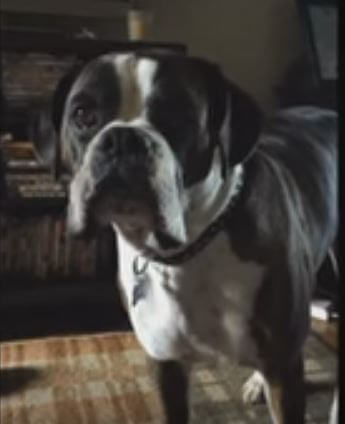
point(207, 200)
point(203, 204)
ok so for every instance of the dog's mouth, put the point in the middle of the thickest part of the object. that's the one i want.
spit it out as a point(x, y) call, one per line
point(149, 214)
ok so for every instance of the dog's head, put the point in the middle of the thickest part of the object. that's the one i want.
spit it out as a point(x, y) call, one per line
point(136, 131)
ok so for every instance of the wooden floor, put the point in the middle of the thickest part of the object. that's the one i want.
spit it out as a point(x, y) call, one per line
point(327, 332)
point(105, 378)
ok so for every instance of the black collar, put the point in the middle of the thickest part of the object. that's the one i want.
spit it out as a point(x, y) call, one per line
point(192, 249)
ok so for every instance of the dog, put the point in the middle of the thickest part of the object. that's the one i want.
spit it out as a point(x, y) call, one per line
point(222, 216)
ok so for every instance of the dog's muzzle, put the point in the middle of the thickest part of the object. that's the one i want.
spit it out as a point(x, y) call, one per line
point(128, 177)
point(121, 157)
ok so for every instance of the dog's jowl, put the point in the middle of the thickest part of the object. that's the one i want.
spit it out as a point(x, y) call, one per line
point(222, 217)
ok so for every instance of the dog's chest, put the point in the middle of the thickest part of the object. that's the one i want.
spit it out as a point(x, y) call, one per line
point(202, 308)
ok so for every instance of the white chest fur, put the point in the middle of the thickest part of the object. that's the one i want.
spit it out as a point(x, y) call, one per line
point(199, 309)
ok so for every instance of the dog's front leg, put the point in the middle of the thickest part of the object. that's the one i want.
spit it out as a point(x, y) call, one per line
point(172, 381)
point(285, 394)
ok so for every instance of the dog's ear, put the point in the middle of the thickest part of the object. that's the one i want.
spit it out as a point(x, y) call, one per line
point(241, 125)
point(234, 117)
point(45, 125)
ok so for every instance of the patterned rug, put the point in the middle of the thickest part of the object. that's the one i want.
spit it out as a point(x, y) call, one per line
point(103, 379)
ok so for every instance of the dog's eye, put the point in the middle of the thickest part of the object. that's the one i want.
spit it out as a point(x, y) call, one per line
point(85, 117)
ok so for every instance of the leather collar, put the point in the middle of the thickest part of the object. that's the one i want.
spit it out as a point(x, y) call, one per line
point(192, 249)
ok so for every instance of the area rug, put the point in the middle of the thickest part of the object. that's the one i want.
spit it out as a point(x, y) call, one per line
point(103, 379)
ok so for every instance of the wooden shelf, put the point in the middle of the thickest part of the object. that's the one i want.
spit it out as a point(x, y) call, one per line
point(25, 41)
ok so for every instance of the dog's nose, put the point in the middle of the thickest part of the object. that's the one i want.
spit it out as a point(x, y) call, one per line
point(120, 156)
point(121, 143)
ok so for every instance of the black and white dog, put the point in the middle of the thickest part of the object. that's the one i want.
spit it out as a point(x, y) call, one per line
point(222, 218)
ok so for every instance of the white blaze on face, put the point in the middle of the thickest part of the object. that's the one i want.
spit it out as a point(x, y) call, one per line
point(130, 105)
point(145, 73)
point(136, 82)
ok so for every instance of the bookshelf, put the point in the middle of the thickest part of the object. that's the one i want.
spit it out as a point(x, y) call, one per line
point(43, 271)
point(35, 244)
point(36, 202)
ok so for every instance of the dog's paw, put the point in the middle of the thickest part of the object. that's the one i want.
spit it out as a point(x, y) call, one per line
point(253, 389)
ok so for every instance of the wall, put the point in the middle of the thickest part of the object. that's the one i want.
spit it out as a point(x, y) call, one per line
point(253, 40)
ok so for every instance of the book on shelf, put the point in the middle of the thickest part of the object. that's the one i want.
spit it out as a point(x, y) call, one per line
point(38, 245)
point(27, 177)
point(17, 150)
point(41, 248)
